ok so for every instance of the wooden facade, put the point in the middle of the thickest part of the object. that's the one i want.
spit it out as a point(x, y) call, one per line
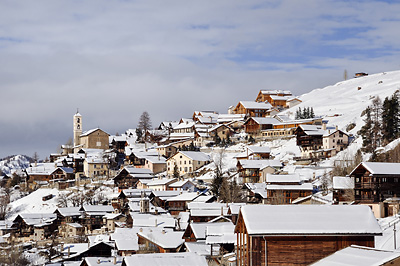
point(374, 187)
point(252, 126)
point(281, 247)
point(290, 250)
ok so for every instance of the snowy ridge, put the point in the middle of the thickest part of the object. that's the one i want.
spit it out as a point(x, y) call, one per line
point(344, 102)
point(18, 162)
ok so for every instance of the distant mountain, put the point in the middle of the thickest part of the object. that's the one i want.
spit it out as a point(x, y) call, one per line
point(10, 164)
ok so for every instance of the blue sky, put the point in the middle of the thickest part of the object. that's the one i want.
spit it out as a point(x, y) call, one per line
point(115, 59)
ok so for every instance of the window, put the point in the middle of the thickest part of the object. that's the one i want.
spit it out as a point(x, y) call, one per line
point(98, 144)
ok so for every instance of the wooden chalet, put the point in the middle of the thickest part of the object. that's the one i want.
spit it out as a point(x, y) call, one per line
point(179, 203)
point(129, 176)
point(309, 138)
point(376, 182)
point(254, 125)
point(302, 234)
point(265, 95)
point(253, 109)
point(26, 223)
point(160, 241)
point(284, 189)
point(254, 171)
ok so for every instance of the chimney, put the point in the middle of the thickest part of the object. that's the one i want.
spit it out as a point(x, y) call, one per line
point(324, 126)
point(69, 250)
point(115, 260)
point(98, 261)
point(156, 222)
point(337, 127)
point(222, 211)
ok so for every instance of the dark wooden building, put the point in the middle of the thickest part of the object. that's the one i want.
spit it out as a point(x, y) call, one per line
point(129, 176)
point(300, 234)
point(375, 183)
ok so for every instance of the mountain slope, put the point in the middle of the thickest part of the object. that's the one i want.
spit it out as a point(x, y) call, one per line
point(344, 102)
point(10, 164)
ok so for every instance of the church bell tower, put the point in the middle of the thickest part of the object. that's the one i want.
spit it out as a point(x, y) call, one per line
point(77, 128)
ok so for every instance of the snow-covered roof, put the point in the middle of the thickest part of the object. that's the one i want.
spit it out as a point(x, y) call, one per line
point(196, 155)
point(102, 261)
point(180, 183)
point(200, 229)
point(165, 239)
point(87, 133)
point(135, 170)
point(377, 168)
point(265, 120)
point(289, 178)
point(76, 225)
point(304, 186)
point(221, 233)
point(126, 244)
point(259, 164)
point(38, 218)
point(310, 220)
point(258, 149)
point(359, 256)
point(69, 211)
point(153, 221)
point(161, 182)
point(176, 259)
point(343, 182)
point(258, 188)
point(209, 212)
point(97, 208)
point(275, 92)
point(256, 105)
point(199, 247)
point(279, 98)
point(185, 196)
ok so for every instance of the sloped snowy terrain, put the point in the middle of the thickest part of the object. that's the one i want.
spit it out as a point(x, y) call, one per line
point(17, 162)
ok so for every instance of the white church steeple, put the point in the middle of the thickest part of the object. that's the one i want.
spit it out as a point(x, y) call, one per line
point(77, 128)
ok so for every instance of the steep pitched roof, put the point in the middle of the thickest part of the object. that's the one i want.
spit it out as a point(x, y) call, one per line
point(309, 220)
point(196, 155)
point(87, 133)
point(377, 168)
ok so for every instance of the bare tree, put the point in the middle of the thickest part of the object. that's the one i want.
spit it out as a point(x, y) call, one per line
point(63, 199)
point(144, 121)
point(35, 157)
point(4, 201)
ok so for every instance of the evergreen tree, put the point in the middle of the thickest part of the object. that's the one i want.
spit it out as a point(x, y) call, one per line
point(305, 113)
point(376, 117)
point(390, 118)
point(176, 172)
point(366, 132)
point(298, 114)
point(312, 115)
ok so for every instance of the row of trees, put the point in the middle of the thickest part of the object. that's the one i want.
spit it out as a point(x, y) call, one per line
point(307, 112)
point(382, 122)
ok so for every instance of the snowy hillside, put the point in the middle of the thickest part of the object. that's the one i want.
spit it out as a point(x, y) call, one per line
point(344, 102)
point(10, 165)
